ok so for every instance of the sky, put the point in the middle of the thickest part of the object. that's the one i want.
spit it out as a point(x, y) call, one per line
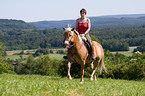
point(49, 10)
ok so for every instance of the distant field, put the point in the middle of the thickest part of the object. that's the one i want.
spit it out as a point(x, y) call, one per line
point(126, 53)
point(56, 56)
point(52, 56)
point(132, 48)
point(36, 85)
point(11, 54)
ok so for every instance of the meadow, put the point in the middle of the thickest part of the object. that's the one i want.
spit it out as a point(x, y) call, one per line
point(37, 85)
point(13, 54)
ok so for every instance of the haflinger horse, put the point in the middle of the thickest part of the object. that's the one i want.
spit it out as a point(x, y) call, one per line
point(78, 53)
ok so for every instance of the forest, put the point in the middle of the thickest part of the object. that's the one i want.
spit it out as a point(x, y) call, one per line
point(113, 39)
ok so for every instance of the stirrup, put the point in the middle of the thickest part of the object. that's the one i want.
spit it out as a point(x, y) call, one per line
point(93, 58)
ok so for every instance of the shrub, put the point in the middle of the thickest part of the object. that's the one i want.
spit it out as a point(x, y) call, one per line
point(117, 65)
point(41, 52)
point(140, 48)
point(4, 66)
point(61, 52)
point(43, 66)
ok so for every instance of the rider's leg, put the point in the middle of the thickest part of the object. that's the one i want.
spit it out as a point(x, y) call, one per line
point(92, 47)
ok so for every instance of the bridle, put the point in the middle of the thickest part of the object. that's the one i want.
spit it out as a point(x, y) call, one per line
point(69, 41)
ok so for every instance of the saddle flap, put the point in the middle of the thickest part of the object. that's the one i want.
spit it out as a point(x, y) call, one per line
point(88, 46)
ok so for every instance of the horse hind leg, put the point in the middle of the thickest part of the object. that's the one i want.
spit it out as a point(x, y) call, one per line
point(97, 64)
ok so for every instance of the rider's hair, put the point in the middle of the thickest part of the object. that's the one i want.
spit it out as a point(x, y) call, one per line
point(84, 10)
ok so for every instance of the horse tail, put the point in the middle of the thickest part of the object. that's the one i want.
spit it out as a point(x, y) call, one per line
point(102, 65)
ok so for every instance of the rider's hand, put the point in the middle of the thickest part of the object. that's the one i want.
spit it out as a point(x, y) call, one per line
point(82, 35)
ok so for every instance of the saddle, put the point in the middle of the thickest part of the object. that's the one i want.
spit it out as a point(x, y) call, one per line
point(88, 45)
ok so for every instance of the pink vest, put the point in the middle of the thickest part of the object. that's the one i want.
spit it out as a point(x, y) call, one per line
point(82, 27)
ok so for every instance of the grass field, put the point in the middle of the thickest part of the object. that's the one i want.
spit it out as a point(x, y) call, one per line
point(36, 85)
point(12, 54)
point(126, 53)
point(52, 56)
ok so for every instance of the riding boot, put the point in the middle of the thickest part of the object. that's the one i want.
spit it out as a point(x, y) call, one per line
point(65, 57)
point(93, 58)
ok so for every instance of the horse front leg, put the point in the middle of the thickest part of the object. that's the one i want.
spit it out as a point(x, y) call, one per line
point(92, 67)
point(82, 72)
point(69, 66)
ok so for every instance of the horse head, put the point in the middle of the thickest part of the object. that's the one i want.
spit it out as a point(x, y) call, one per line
point(68, 36)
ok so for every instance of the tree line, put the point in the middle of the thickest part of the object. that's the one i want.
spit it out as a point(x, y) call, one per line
point(113, 39)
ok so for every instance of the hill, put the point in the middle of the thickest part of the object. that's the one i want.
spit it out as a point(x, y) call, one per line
point(15, 24)
point(109, 21)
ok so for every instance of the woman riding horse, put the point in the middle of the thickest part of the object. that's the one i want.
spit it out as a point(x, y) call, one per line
point(78, 53)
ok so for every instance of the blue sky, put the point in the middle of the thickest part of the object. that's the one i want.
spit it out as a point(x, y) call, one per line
point(39, 10)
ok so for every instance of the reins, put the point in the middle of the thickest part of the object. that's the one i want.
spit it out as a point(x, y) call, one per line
point(70, 46)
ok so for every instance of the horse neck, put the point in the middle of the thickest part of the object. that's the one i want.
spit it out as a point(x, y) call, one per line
point(75, 38)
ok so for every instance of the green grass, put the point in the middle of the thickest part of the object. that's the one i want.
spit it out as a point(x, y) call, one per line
point(52, 56)
point(14, 57)
point(32, 85)
point(56, 56)
point(126, 53)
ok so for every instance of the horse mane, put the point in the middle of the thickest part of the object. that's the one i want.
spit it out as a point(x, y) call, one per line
point(69, 29)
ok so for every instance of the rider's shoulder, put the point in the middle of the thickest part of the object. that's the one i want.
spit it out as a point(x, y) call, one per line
point(78, 19)
point(88, 19)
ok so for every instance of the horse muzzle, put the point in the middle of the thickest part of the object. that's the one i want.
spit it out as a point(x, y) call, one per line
point(66, 44)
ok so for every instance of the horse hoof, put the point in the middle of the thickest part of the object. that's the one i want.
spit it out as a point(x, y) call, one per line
point(95, 79)
point(91, 79)
point(70, 78)
point(81, 82)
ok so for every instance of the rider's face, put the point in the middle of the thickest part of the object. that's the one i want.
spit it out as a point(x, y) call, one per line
point(83, 14)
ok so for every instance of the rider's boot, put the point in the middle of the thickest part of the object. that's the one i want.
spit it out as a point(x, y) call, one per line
point(65, 57)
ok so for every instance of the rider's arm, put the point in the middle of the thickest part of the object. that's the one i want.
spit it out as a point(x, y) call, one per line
point(89, 26)
point(77, 24)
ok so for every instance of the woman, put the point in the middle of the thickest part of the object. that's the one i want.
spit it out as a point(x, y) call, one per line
point(83, 26)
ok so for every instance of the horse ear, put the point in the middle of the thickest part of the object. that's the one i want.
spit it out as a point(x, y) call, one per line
point(73, 29)
point(63, 28)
